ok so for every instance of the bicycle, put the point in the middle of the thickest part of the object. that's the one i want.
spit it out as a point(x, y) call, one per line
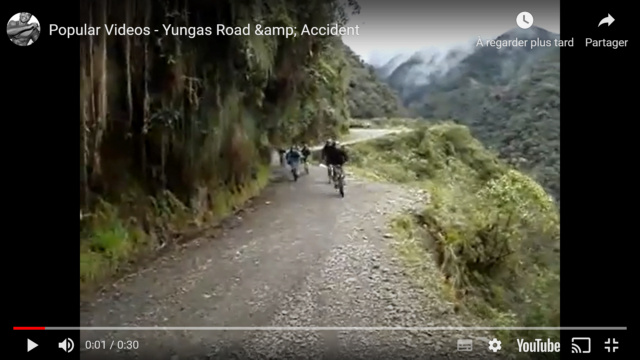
point(294, 171)
point(338, 178)
point(330, 173)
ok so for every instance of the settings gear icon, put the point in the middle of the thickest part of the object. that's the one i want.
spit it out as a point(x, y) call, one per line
point(494, 345)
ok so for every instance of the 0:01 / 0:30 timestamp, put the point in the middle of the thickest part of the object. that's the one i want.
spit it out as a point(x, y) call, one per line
point(111, 345)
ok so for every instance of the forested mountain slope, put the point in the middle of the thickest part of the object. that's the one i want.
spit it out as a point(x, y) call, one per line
point(510, 99)
point(368, 96)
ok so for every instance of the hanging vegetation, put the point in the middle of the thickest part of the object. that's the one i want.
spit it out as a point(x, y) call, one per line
point(176, 130)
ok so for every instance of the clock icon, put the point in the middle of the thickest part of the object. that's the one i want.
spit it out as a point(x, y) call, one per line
point(524, 20)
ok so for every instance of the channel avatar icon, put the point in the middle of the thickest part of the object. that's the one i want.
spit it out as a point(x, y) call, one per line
point(23, 29)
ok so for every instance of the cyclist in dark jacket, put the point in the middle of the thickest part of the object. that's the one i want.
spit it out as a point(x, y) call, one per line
point(305, 153)
point(336, 157)
point(328, 147)
point(328, 144)
point(281, 153)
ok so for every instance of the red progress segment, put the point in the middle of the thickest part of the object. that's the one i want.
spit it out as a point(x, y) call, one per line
point(28, 328)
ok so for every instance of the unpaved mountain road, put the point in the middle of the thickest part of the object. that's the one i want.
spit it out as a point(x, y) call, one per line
point(358, 135)
point(300, 256)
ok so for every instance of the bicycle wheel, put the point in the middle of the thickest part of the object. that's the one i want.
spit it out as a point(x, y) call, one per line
point(339, 180)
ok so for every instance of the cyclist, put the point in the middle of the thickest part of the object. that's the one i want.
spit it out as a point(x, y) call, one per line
point(281, 153)
point(336, 157)
point(293, 157)
point(329, 146)
point(306, 152)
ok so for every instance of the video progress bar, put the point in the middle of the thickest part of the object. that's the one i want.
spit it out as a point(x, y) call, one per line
point(308, 328)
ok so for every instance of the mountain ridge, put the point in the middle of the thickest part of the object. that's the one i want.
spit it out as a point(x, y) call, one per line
point(437, 61)
point(508, 96)
point(367, 95)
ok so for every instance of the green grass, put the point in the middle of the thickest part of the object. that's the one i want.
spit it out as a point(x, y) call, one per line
point(493, 232)
point(117, 236)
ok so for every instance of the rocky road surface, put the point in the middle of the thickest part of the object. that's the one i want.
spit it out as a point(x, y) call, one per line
point(299, 256)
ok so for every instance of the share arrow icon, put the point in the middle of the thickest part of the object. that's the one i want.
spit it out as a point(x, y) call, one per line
point(608, 20)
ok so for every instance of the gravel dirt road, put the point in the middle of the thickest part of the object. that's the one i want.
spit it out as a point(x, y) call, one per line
point(299, 256)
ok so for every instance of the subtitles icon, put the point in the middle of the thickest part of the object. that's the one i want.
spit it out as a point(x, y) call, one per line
point(465, 345)
point(580, 345)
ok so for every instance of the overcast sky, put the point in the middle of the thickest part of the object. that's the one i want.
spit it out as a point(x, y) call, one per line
point(393, 26)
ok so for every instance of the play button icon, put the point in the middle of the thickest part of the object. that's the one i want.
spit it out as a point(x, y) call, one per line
point(31, 345)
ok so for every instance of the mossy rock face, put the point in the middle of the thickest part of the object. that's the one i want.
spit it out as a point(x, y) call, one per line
point(184, 122)
point(111, 241)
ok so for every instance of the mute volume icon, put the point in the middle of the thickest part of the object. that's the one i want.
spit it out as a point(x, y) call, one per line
point(66, 345)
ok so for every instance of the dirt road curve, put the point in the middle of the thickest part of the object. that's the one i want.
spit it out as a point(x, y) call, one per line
point(301, 256)
point(358, 135)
